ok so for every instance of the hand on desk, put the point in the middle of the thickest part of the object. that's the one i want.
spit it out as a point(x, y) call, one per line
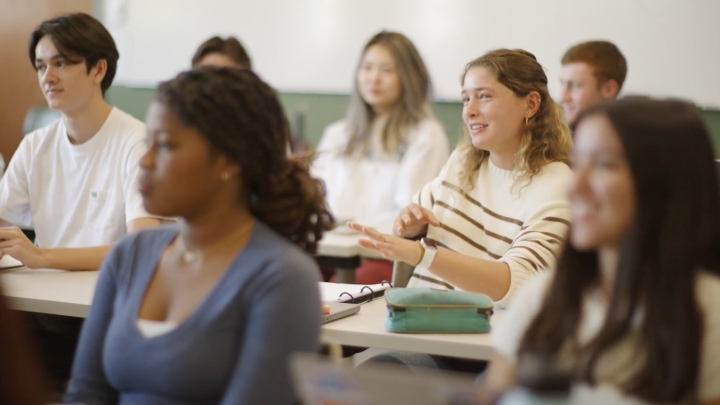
point(13, 242)
point(392, 247)
point(413, 220)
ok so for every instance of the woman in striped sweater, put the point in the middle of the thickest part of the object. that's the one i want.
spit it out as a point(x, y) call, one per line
point(498, 213)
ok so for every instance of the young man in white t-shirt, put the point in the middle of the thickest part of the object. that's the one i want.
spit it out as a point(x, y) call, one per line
point(74, 181)
point(591, 72)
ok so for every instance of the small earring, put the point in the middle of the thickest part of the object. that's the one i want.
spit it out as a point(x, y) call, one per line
point(526, 120)
point(225, 176)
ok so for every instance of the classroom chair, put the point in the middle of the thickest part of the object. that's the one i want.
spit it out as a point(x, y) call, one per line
point(401, 274)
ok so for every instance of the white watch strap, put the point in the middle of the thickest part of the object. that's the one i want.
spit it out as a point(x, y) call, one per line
point(428, 256)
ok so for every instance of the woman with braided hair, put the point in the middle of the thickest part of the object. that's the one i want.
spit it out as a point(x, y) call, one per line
point(209, 311)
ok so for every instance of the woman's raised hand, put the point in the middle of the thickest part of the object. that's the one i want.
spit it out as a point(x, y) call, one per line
point(413, 220)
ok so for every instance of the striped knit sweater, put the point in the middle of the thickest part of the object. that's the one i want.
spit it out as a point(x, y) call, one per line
point(515, 222)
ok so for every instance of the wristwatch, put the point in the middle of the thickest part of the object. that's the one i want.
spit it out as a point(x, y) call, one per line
point(430, 248)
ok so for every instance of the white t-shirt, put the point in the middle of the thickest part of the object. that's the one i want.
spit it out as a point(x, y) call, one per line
point(373, 189)
point(76, 195)
point(616, 364)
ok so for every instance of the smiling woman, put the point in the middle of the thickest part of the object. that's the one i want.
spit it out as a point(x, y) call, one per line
point(638, 282)
point(497, 214)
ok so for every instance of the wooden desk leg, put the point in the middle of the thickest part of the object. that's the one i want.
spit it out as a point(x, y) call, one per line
point(345, 276)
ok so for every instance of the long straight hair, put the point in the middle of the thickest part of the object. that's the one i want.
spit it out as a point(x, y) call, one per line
point(673, 235)
point(410, 110)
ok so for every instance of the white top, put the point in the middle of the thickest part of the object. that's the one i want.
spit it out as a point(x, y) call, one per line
point(150, 329)
point(372, 189)
point(76, 195)
point(615, 364)
point(2, 165)
point(515, 222)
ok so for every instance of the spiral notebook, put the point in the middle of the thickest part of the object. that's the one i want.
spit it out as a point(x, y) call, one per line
point(352, 293)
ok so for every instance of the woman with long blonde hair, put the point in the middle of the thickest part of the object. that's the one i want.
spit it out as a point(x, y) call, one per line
point(497, 214)
point(388, 146)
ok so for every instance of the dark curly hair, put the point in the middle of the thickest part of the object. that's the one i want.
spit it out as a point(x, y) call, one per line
point(241, 117)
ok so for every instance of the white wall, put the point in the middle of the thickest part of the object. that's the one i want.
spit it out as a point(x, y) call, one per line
point(672, 46)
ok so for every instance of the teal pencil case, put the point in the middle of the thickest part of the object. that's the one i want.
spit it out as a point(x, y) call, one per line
point(425, 310)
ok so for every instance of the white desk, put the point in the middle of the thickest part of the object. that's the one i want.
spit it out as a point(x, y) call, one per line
point(367, 329)
point(344, 246)
point(70, 294)
point(47, 291)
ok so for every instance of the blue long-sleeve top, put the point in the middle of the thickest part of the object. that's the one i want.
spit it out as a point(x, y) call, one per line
point(234, 347)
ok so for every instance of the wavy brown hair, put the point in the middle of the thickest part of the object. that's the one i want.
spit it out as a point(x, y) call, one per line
point(546, 137)
point(414, 104)
point(675, 234)
point(241, 117)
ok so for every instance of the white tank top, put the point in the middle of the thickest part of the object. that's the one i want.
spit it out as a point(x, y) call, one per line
point(150, 329)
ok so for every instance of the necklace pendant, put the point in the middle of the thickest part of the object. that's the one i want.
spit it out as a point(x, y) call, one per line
point(189, 257)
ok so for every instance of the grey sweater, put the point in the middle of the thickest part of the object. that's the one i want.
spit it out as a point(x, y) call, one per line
point(233, 349)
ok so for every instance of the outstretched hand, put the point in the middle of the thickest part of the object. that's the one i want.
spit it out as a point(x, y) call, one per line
point(391, 247)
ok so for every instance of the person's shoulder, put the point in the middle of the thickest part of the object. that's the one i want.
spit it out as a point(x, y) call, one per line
point(430, 128)
point(456, 160)
point(283, 253)
point(337, 130)
point(43, 134)
point(127, 120)
point(551, 182)
point(127, 126)
point(334, 138)
point(556, 170)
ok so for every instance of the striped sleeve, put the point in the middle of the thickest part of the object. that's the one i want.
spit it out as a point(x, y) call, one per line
point(426, 196)
point(536, 246)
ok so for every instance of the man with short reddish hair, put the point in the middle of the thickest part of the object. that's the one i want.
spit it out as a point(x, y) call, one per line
point(591, 72)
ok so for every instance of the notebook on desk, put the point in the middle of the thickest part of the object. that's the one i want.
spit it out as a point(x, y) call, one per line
point(9, 262)
point(351, 293)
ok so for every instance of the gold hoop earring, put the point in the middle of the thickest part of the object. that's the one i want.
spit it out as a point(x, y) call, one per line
point(526, 120)
point(225, 176)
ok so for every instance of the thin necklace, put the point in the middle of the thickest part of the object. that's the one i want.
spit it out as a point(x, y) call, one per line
point(190, 256)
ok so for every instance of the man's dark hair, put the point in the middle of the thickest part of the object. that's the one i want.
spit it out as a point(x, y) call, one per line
point(79, 37)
